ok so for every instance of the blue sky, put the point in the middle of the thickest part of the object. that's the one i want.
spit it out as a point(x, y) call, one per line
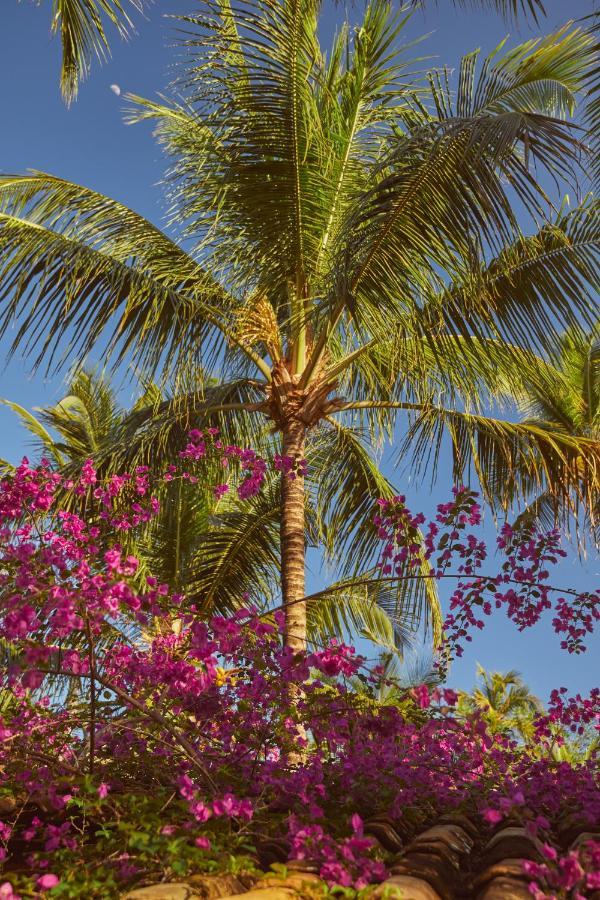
point(90, 144)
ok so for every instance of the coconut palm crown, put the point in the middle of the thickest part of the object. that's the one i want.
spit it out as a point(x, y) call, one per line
point(348, 248)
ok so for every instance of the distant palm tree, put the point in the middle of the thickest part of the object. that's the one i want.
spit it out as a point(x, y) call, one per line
point(352, 253)
point(505, 701)
point(559, 402)
point(87, 423)
point(86, 419)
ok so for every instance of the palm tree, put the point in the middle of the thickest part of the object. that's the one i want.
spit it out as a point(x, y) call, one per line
point(352, 250)
point(85, 424)
point(505, 702)
point(87, 418)
point(178, 546)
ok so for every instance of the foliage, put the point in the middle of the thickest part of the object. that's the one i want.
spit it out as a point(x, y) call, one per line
point(504, 700)
point(345, 248)
point(211, 545)
point(564, 397)
point(183, 752)
point(81, 26)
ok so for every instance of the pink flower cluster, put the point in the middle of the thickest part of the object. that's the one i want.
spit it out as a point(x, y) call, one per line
point(336, 659)
point(575, 712)
point(571, 875)
point(290, 466)
point(228, 805)
point(201, 445)
point(347, 862)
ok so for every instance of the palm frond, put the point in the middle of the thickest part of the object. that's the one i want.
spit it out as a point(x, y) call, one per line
point(168, 546)
point(37, 429)
point(456, 173)
point(237, 559)
point(156, 429)
point(565, 398)
point(274, 140)
point(81, 26)
point(387, 611)
point(346, 610)
point(592, 100)
point(74, 260)
point(367, 88)
point(543, 511)
point(512, 460)
point(410, 371)
point(253, 136)
point(543, 75)
point(532, 285)
point(87, 418)
point(346, 482)
point(510, 9)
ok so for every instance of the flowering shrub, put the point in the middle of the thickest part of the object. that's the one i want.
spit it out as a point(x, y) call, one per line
point(571, 875)
point(522, 585)
point(574, 712)
point(346, 862)
point(146, 751)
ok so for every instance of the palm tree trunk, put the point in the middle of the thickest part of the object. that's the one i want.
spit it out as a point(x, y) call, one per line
point(292, 539)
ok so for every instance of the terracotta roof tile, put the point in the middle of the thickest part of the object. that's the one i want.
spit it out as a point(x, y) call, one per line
point(451, 859)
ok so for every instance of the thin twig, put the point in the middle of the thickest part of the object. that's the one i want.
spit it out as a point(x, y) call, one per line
point(92, 660)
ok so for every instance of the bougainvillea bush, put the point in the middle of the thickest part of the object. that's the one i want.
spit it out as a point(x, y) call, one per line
point(139, 741)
